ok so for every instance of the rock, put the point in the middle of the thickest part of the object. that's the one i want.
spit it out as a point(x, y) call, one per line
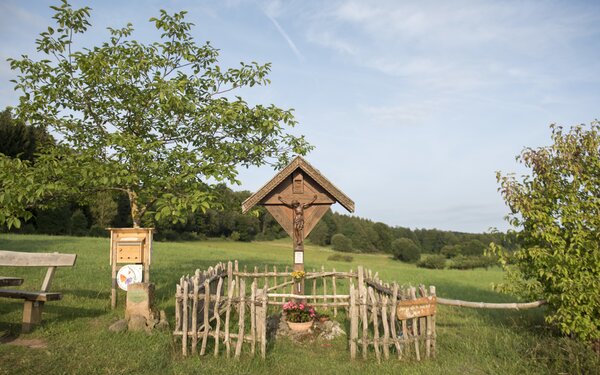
point(136, 323)
point(162, 324)
point(118, 326)
point(330, 330)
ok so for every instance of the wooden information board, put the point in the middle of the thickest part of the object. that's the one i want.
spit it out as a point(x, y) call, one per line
point(129, 246)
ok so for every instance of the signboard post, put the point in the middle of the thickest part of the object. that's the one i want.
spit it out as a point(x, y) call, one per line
point(129, 246)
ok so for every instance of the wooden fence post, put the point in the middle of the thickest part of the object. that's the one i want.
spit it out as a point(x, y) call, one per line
point(253, 317)
point(206, 323)
point(386, 330)
point(217, 316)
point(227, 339)
point(393, 320)
point(241, 322)
point(353, 321)
point(185, 318)
point(334, 293)
point(375, 320)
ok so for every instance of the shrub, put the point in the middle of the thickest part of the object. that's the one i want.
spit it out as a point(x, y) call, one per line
point(473, 247)
point(191, 236)
point(341, 258)
point(235, 236)
point(462, 262)
point(436, 262)
point(79, 223)
point(166, 235)
point(340, 242)
point(450, 251)
point(56, 220)
point(406, 250)
point(98, 231)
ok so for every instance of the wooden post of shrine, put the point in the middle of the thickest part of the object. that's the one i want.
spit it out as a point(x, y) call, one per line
point(297, 197)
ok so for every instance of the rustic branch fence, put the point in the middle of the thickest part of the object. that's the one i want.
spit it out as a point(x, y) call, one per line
point(229, 307)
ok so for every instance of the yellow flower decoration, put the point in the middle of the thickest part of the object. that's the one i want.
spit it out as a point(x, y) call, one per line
point(298, 275)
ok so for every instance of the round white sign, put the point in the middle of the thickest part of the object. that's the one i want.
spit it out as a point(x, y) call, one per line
point(129, 274)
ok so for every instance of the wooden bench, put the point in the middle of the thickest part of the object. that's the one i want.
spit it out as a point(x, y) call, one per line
point(34, 300)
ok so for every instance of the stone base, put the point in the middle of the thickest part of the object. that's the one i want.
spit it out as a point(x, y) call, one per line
point(140, 300)
point(327, 330)
point(140, 323)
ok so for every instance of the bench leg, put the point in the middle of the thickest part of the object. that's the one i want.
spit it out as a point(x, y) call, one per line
point(32, 315)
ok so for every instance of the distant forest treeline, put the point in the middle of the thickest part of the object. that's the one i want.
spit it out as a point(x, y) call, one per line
point(360, 235)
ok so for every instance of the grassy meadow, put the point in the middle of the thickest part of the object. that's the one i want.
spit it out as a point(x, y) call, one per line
point(74, 338)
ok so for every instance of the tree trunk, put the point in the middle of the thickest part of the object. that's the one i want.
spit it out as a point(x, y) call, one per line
point(136, 216)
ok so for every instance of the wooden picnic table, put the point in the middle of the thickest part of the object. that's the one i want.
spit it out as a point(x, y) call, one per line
point(10, 281)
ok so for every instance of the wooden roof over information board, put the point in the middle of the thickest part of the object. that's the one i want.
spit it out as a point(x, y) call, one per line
point(285, 173)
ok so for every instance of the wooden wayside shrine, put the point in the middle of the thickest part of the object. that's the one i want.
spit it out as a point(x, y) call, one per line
point(298, 197)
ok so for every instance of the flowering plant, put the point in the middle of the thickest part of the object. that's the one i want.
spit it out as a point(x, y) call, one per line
point(298, 275)
point(298, 312)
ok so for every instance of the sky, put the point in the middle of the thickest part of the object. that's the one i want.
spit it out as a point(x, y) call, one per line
point(412, 105)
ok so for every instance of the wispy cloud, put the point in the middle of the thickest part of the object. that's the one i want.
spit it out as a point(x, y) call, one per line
point(403, 114)
point(454, 47)
point(327, 39)
point(287, 38)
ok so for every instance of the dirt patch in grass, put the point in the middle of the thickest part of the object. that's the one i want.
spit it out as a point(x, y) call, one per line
point(28, 343)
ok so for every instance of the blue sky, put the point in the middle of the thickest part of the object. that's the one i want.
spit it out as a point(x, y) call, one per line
point(412, 105)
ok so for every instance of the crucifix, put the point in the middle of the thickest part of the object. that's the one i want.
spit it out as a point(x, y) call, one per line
point(298, 210)
point(297, 197)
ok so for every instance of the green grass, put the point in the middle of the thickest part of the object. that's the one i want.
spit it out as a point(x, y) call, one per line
point(75, 329)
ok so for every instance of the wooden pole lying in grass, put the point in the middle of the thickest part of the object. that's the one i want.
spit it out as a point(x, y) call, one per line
point(485, 305)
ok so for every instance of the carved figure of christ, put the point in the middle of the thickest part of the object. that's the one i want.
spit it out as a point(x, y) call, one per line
point(298, 210)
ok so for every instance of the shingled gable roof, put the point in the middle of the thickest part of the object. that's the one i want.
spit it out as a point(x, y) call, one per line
point(311, 171)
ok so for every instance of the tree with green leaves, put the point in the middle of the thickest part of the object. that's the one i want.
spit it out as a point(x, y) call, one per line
point(103, 208)
point(406, 250)
point(339, 242)
point(556, 210)
point(18, 139)
point(157, 122)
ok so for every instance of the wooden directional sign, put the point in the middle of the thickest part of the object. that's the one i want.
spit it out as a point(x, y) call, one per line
point(298, 197)
point(416, 308)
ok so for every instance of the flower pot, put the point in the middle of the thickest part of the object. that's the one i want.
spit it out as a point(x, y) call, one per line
point(299, 327)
